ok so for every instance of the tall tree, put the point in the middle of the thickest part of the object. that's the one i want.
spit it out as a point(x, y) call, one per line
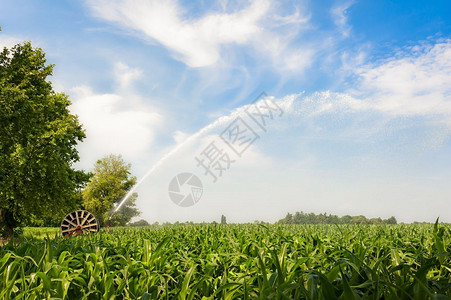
point(110, 183)
point(38, 138)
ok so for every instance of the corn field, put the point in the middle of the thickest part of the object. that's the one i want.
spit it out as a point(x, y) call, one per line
point(233, 262)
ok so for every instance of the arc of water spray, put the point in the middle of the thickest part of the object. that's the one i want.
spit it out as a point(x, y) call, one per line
point(216, 123)
point(286, 103)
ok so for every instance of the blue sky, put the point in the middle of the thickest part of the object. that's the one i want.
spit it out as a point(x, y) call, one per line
point(365, 88)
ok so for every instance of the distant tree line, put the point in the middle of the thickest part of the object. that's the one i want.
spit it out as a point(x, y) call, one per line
point(311, 218)
point(139, 223)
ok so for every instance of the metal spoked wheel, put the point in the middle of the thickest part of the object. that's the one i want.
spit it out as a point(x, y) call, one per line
point(79, 222)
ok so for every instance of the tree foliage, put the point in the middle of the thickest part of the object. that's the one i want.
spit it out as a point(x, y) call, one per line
point(140, 223)
point(38, 138)
point(109, 184)
point(311, 218)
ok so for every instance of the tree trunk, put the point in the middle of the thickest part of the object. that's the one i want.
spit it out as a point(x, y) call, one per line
point(6, 223)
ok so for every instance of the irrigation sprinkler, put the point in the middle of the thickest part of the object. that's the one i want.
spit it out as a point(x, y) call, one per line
point(79, 222)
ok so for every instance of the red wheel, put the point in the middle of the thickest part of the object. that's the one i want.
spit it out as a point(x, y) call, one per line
point(78, 222)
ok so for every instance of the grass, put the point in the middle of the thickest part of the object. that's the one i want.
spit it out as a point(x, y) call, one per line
point(232, 262)
point(40, 233)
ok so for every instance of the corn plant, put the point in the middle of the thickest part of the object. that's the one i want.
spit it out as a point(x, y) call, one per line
point(232, 262)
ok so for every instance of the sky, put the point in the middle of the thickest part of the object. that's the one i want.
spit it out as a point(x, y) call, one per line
point(355, 97)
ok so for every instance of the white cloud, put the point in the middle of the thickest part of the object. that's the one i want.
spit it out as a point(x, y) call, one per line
point(194, 41)
point(203, 41)
point(112, 126)
point(125, 75)
point(418, 83)
point(298, 60)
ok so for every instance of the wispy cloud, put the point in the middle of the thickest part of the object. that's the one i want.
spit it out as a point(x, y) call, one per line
point(295, 18)
point(196, 42)
point(340, 17)
point(204, 41)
